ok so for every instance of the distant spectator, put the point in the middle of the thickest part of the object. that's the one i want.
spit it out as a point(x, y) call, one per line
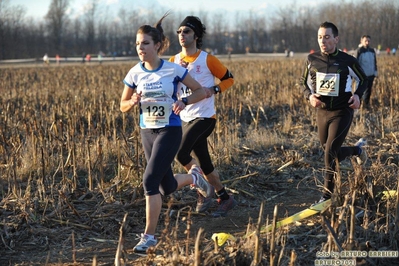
point(229, 50)
point(388, 51)
point(46, 60)
point(88, 58)
point(100, 57)
point(393, 51)
point(368, 61)
point(57, 59)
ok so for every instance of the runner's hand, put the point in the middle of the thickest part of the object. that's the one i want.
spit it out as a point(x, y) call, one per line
point(354, 102)
point(315, 101)
point(178, 106)
point(209, 92)
point(135, 99)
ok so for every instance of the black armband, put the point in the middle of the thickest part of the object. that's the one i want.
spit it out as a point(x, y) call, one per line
point(227, 75)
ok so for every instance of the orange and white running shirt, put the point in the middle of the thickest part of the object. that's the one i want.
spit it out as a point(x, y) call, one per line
point(200, 71)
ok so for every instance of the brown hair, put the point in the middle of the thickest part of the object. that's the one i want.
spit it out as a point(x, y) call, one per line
point(330, 25)
point(156, 33)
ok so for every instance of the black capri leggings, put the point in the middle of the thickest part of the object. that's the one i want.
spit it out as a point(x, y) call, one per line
point(160, 148)
point(195, 134)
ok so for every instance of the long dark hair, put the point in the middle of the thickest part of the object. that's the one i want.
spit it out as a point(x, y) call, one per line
point(156, 33)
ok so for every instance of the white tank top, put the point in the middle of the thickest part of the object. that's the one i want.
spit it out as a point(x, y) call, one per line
point(200, 72)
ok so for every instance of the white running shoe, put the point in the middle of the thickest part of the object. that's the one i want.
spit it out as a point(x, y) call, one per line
point(144, 244)
point(201, 184)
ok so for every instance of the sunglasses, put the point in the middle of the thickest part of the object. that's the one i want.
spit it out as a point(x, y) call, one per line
point(183, 31)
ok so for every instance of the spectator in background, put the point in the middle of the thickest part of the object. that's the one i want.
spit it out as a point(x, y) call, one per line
point(46, 59)
point(57, 59)
point(88, 58)
point(368, 61)
point(100, 57)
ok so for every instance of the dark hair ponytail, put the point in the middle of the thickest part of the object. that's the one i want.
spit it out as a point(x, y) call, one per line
point(157, 34)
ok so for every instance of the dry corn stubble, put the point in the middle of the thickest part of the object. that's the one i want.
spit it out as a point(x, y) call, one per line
point(71, 165)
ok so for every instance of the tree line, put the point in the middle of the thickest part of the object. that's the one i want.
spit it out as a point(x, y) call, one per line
point(291, 28)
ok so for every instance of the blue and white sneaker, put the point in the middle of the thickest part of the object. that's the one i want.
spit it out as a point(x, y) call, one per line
point(144, 244)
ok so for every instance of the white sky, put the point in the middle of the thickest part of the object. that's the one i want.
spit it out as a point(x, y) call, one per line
point(39, 8)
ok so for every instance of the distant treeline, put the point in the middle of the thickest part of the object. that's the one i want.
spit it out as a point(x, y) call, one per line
point(292, 28)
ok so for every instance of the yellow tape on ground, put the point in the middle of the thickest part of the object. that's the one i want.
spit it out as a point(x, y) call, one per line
point(312, 210)
point(389, 194)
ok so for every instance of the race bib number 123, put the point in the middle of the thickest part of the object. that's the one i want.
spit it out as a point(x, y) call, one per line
point(155, 114)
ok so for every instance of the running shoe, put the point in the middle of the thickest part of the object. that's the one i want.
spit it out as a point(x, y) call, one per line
point(362, 157)
point(225, 206)
point(144, 244)
point(201, 184)
point(203, 203)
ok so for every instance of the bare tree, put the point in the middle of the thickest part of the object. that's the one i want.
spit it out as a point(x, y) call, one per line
point(57, 21)
point(89, 26)
point(77, 37)
point(12, 31)
point(388, 23)
point(130, 23)
point(103, 28)
point(221, 35)
point(293, 27)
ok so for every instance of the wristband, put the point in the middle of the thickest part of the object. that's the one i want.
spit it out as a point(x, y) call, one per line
point(184, 100)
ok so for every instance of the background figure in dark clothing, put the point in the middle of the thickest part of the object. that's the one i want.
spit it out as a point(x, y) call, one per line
point(368, 61)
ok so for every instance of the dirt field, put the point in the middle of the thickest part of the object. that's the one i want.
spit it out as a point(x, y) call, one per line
point(266, 149)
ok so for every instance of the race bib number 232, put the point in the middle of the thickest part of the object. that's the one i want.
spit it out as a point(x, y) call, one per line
point(327, 84)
